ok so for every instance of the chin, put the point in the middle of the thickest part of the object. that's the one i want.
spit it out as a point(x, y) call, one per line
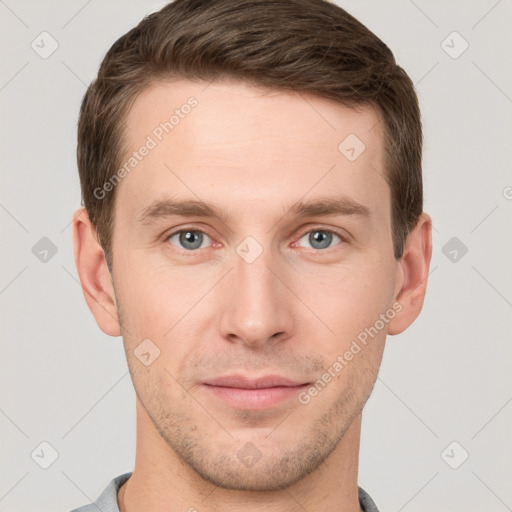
point(251, 480)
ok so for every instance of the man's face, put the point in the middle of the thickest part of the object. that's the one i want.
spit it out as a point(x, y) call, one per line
point(262, 291)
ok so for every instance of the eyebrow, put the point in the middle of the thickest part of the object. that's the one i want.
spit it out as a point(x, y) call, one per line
point(321, 207)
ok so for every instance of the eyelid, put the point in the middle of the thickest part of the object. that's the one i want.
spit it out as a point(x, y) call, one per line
point(176, 231)
point(344, 237)
point(316, 227)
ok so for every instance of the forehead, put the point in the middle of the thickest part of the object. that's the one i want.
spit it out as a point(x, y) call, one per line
point(242, 109)
point(259, 144)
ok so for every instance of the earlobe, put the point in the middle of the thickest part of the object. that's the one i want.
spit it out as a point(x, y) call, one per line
point(94, 275)
point(413, 275)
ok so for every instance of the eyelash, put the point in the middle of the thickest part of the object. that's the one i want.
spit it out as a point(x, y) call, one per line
point(195, 251)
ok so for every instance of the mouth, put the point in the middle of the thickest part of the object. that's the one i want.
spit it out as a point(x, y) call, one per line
point(260, 393)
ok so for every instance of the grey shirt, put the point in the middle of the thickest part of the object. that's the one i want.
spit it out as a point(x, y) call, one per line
point(107, 502)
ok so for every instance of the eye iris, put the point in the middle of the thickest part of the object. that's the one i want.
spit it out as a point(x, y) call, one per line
point(191, 239)
point(322, 237)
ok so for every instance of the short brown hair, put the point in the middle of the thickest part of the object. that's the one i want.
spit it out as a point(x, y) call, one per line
point(311, 46)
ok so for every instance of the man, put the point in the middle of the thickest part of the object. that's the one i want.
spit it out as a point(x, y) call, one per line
point(253, 229)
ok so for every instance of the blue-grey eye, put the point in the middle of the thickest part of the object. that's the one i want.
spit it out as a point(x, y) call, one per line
point(189, 239)
point(320, 239)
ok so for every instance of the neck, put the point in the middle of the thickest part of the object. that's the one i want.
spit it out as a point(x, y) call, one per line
point(161, 481)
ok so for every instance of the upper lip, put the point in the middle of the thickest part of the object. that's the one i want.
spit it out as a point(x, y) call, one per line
point(241, 382)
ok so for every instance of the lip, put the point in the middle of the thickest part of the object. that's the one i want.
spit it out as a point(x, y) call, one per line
point(259, 393)
point(242, 382)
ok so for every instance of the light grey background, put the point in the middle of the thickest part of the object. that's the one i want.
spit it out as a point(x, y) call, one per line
point(445, 379)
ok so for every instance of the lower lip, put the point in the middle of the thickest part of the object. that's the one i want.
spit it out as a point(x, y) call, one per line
point(255, 398)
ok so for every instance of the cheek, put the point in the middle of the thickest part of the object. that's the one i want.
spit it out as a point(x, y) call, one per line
point(159, 304)
point(160, 299)
point(349, 299)
point(154, 298)
point(351, 306)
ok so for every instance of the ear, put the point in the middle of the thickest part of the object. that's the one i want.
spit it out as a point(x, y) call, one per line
point(94, 274)
point(412, 275)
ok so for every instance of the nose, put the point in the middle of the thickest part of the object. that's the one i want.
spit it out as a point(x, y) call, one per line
point(257, 308)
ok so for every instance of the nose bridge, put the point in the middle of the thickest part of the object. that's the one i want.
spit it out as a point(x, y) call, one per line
point(256, 307)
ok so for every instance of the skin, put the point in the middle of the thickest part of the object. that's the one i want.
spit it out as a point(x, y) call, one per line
point(253, 153)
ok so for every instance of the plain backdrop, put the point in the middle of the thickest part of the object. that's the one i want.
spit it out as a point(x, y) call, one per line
point(436, 430)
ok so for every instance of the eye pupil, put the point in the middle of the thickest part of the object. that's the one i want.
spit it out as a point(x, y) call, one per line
point(189, 240)
point(320, 239)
